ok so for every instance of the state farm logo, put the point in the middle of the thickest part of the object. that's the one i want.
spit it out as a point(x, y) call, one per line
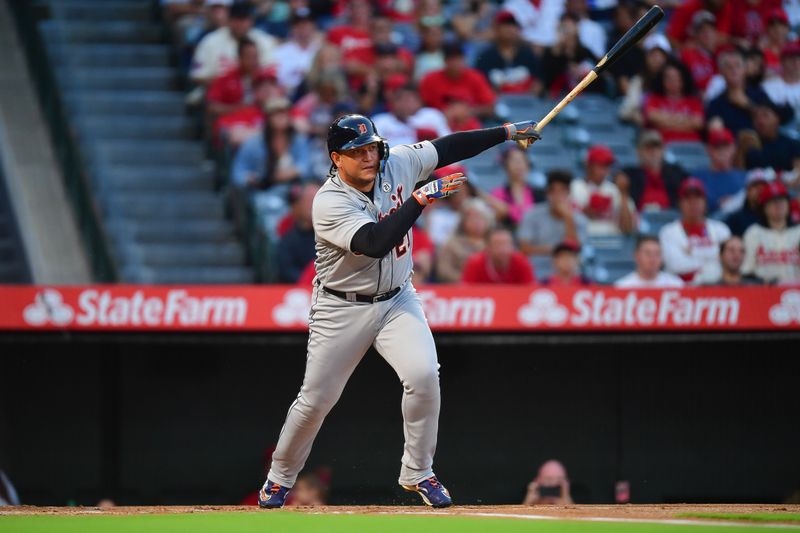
point(294, 308)
point(96, 307)
point(442, 311)
point(787, 310)
point(48, 306)
point(599, 308)
point(543, 308)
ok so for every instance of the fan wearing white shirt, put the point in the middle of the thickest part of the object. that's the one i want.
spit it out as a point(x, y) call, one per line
point(785, 90)
point(218, 51)
point(294, 57)
point(648, 273)
point(408, 122)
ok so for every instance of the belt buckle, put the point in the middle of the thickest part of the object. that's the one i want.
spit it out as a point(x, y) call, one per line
point(350, 296)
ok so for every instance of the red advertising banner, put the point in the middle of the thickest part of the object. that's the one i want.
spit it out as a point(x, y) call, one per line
point(454, 308)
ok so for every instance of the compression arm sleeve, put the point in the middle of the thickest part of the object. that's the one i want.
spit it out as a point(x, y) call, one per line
point(377, 239)
point(466, 144)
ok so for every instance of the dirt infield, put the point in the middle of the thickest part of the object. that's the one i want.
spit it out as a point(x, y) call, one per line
point(609, 512)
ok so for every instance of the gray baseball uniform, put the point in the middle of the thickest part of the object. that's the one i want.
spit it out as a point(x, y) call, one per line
point(341, 330)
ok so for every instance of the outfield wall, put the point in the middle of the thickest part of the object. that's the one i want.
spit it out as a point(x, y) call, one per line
point(167, 418)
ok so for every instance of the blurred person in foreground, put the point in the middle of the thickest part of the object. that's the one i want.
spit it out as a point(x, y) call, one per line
point(769, 146)
point(407, 122)
point(566, 267)
point(772, 246)
point(648, 273)
point(603, 195)
point(691, 244)
point(499, 262)
point(731, 257)
point(550, 486)
point(557, 220)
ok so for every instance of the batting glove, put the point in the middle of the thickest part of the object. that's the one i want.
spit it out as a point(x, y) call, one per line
point(523, 132)
point(439, 188)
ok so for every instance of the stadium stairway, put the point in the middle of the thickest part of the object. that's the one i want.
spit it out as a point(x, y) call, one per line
point(143, 153)
point(13, 262)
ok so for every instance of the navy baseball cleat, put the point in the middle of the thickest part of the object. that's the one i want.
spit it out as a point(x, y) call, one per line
point(433, 493)
point(272, 495)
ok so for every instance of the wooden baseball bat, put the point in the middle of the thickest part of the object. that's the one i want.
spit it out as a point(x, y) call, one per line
point(631, 37)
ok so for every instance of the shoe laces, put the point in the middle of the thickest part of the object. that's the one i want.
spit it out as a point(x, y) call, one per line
point(434, 482)
point(275, 488)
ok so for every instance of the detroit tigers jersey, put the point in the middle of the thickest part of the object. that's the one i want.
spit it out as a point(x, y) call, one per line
point(340, 210)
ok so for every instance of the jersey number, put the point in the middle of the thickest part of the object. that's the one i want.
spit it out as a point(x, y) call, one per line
point(401, 249)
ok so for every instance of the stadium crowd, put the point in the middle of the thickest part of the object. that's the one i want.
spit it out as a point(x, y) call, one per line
point(721, 77)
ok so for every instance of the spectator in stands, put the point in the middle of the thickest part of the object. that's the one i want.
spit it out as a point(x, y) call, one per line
point(191, 20)
point(461, 116)
point(591, 33)
point(430, 56)
point(500, 262)
point(309, 489)
point(422, 254)
point(407, 122)
point(443, 218)
point(691, 244)
point(734, 104)
point(352, 36)
point(680, 22)
point(546, 225)
point(785, 89)
point(749, 21)
point(509, 64)
point(657, 52)
point(8, 494)
point(722, 181)
point(312, 114)
point(472, 21)
point(550, 486)
point(539, 20)
point(648, 273)
point(231, 98)
point(605, 203)
point(512, 200)
point(217, 52)
point(468, 239)
point(297, 247)
point(731, 258)
point(566, 267)
point(672, 108)
point(295, 56)
point(770, 147)
point(457, 81)
point(772, 246)
point(775, 40)
point(277, 156)
point(654, 183)
point(698, 54)
point(566, 62)
point(747, 214)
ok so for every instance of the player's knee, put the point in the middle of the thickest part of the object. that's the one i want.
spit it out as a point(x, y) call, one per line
point(423, 382)
point(316, 406)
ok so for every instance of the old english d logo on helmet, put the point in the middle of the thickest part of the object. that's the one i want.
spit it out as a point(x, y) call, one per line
point(352, 131)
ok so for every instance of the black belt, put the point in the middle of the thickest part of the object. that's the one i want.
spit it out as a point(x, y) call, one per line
point(354, 297)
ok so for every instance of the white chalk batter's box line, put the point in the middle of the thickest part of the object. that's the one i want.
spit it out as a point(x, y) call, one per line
point(679, 522)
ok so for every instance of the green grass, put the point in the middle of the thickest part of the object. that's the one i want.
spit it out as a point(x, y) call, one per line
point(283, 521)
point(754, 517)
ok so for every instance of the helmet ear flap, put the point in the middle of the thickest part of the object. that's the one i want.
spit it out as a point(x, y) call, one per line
point(383, 150)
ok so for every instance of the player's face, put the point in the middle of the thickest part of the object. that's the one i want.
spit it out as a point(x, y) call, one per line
point(359, 165)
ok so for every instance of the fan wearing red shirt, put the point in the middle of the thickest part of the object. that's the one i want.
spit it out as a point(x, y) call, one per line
point(681, 20)
point(750, 18)
point(499, 262)
point(774, 39)
point(566, 266)
point(698, 54)
point(672, 109)
point(457, 82)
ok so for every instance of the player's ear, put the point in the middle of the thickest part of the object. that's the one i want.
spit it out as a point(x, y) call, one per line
point(336, 158)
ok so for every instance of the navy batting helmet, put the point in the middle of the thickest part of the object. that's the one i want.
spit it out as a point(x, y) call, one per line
point(352, 131)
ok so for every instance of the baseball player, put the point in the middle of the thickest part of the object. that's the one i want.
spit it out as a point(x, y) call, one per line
point(362, 294)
